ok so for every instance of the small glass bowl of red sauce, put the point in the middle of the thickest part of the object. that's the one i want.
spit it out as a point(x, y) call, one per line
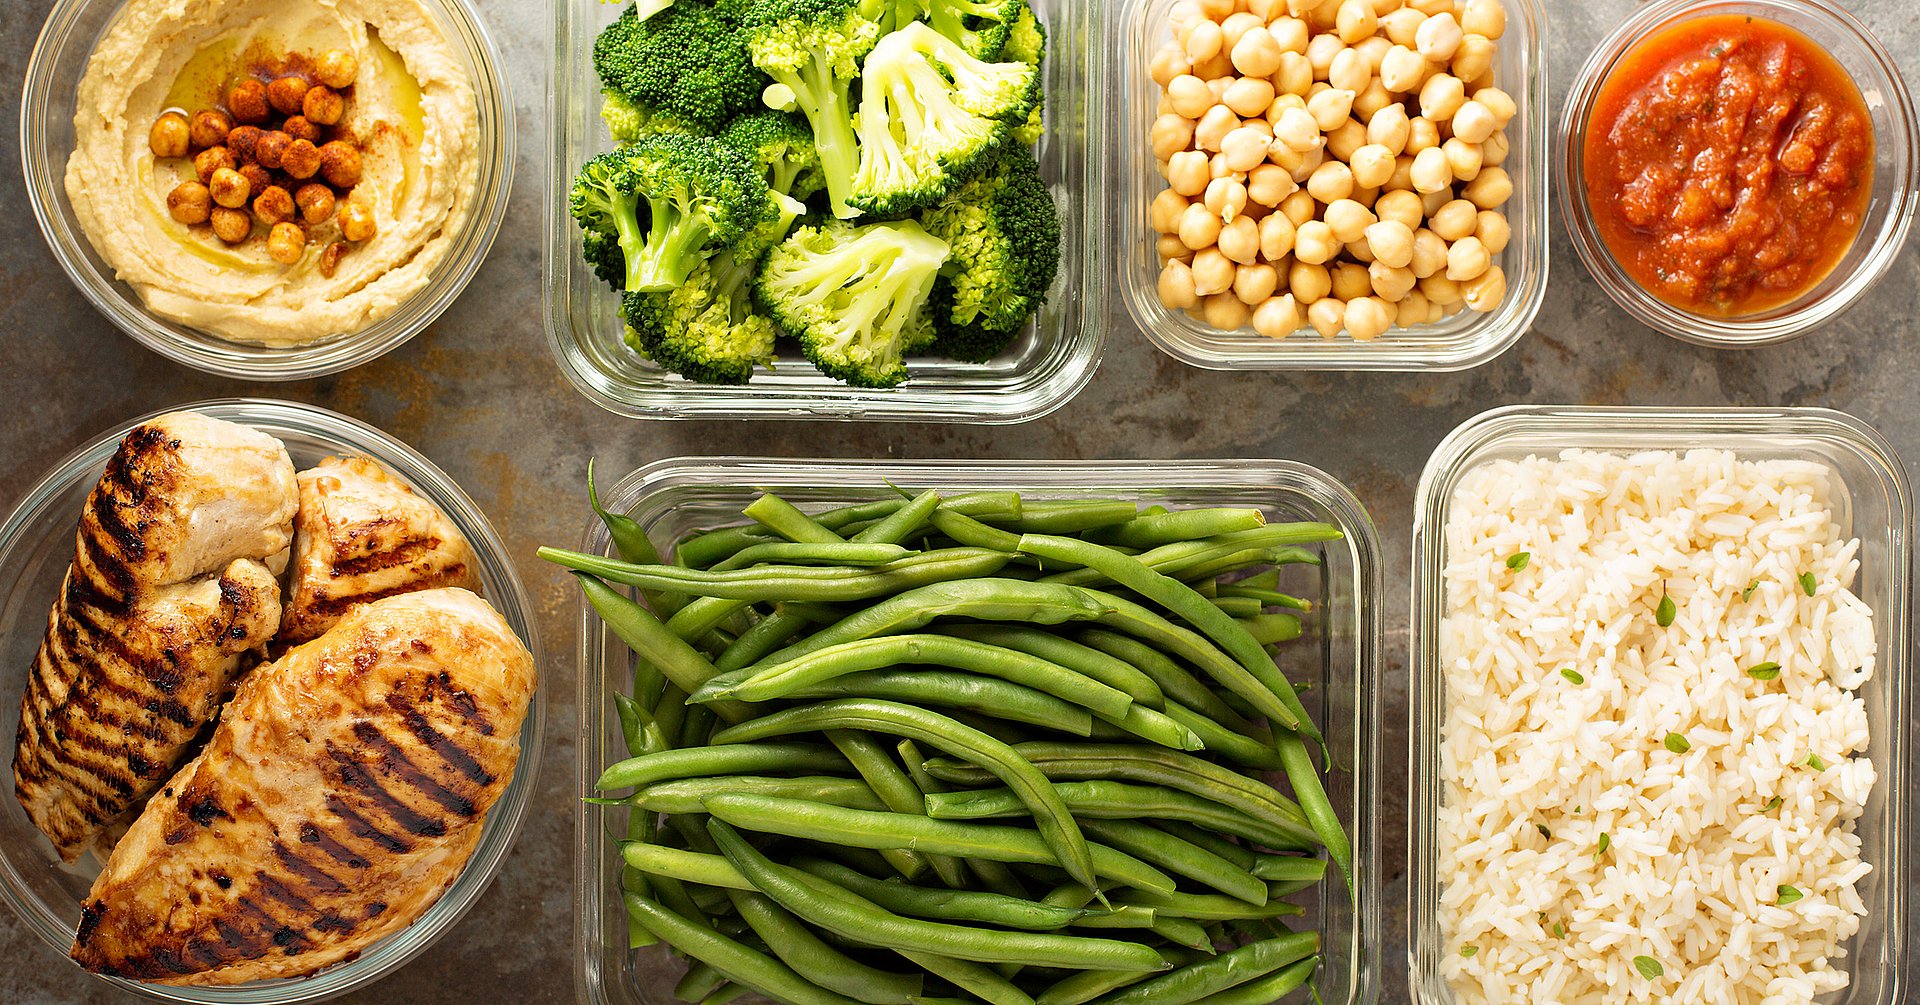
point(1739, 172)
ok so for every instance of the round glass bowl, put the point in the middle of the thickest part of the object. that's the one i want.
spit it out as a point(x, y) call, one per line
point(36, 545)
point(47, 110)
point(1883, 230)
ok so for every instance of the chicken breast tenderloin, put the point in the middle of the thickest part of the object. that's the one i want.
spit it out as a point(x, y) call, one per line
point(172, 585)
point(341, 794)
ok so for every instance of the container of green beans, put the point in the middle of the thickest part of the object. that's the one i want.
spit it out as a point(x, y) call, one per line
point(945, 732)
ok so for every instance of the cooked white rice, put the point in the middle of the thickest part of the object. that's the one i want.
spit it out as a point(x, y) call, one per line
point(1696, 856)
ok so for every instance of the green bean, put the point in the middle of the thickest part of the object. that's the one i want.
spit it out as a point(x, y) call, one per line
point(1234, 746)
point(1209, 906)
point(1071, 516)
point(1050, 815)
point(1315, 804)
point(1289, 869)
point(1153, 530)
point(696, 867)
point(766, 635)
point(1178, 857)
point(904, 521)
point(1080, 762)
point(1229, 672)
point(1240, 855)
point(793, 582)
point(854, 917)
point(1266, 990)
point(1180, 599)
point(785, 519)
point(705, 549)
point(703, 615)
point(1183, 932)
point(728, 994)
point(699, 981)
point(650, 640)
point(1268, 629)
point(733, 759)
point(827, 967)
point(1085, 986)
point(1173, 679)
point(697, 725)
point(972, 533)
point(971, 977)
point(1266, 597)
point(630, 540)
point(635, 725)
point(1198, 980)
point(685, 795)
point(780, 680)
point(672, 894)
point(997, 878)
point(1123, 801)
point(988, 696)
point(1221, 554)
point(898, 794)
point(1235, 607)
point(669, 714)
point(948, 905)
point(791, 553)
point(738, 963)
point(1109, 670)
point(1156, 727)
point(863, 829)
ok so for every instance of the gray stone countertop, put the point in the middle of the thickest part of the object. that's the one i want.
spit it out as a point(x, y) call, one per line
point(480, 395)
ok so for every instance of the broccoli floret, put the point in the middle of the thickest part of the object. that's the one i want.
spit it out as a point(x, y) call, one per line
point(854, 297)
point(783, 147)
point(982, 27)
point(931, 116)
point(813, 48)
point(644, 9)
point(1027, 42)
point(892, 15)
point(688, 62)
point(707, 329)
point(628, 121)
point(663, 205)
point(1005, 237)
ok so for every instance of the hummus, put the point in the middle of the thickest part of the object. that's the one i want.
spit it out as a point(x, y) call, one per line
point(411, 111)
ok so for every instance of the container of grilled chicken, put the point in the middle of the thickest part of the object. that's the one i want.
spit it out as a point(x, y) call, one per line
point(36, 546)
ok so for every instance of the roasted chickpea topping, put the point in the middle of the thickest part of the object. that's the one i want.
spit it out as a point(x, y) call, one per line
point(340, 163)
point(170, 136)
point(286, 94)
point(302, 128)
point(316, 203)
point(324, 106)
point(190, 203)
point(356, 221)
point(230, 188)
point(231, 225)
point(212, 159)
point(330, 258)
point(209, 128)
point(258, 178)
point(248, 102)
point(271, 148)
point(242, 140)
point(336, 68)
point(286, 242)
point(274, 205)
point(302, 159)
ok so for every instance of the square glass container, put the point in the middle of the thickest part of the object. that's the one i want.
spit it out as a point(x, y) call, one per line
point(36, 546)
point(1873, 501)
point(1044, 367)
point(1137, 29)
point(674, 498)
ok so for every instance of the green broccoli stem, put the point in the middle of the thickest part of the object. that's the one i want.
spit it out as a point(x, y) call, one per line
point(823, 98)
point(633, 241)
point(669, 252)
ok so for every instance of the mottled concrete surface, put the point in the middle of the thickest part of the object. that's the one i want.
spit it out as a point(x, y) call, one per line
point(480, 395)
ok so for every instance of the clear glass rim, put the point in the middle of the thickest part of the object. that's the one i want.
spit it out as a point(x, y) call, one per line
point(505, 592)
point(1772, 327)
point(1207, 348)
point(1573, 425)
point(1279, 476)
point(207, 352)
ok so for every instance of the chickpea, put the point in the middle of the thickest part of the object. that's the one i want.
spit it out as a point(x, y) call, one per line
point(258, 178)
point(1349, 280)
point(1441, 96)
point(210, 160)
point(1431, 202)
point(1169, 247)
point(1372, 165)
point(1484, 17)
point(1299, 207)
point(1190, 96)
point(1391, 242)
point(1454, 220)
point(1218, 88)
point(1314, 243)
point(170, 136)
point(1168, 65)
point(1277, 318)
point(1225, 312)
point(1210, 133)
point(1359, 252)
point(1346, 140)
point(1402, 207)
point(1171, 134)
point(1489, 191)
point(1438, 37)
point(1391, 283)
point(1355, 20)
point(1267, 10)
point(209, 128)
point(323, 106)
point(1268, 184)
point(1249, 97)
point(1245, 148)
point(1309, 282)
point(1500, 103)
point(270, 148)
point(1429, 253)
point(1320, 52)
point(1254, 284)
point(1297, 130)
point(1349, 72)
point(1177, 289)
point(1389, 128)
point(301, 128)
point(1295, 75)
point(286, 243)
point(1213, 69)
point(330, 258)
point(1467, 258)
point(229, 188)
point(1330, 182)
point(1494, 151)
point(1402, 71)
point(1422, 134)
point(1226, 198)
point(1441, 290)
point(1463, 158)
point(1493, 230)
point(286, 93)
point(302, 159)
point(1236, 26)
point(1330, 108)
point(190, 203)
point(1217, 9)
point(1198, 228)
point(248, 102)
point(1402, 26)
point(1187, 173)
point(1277, 235)
point(1369, 102)
point(1368, 318)
point(337, 68)
point(1484, 292)
point(1431, 172)
point(1204, 42)
point(1165, 211)
point(1240, 241)
point(1402, 180)
point(1375, 49)
point(1328, 316)
point(1415, 309)
point(1257, 54)
point(1291, 33)
point(356, 221)
point(274, 206)
point(1474, 58)
point(1431, 8)
point(1349, 220)
point(230, 225)
point(243, 140)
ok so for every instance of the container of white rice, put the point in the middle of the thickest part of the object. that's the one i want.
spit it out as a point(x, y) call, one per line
point(1660, 710)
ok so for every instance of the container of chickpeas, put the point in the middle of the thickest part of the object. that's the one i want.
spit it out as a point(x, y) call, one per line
point(1331, 184)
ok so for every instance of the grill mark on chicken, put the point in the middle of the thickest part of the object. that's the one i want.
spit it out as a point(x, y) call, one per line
point(398, 763)
point(309, 834)
point(356, 776)
point(381, 561)
point(449, 751)
point(358, 826)
point(315, 877)
point(331, 606)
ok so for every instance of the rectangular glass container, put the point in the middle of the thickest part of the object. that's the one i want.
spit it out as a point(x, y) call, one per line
point(1137, 28)
point(1050, 361)
point(1873, 502)
point(1339, 657)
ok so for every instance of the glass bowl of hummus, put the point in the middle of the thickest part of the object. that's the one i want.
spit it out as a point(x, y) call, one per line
point(269, 196)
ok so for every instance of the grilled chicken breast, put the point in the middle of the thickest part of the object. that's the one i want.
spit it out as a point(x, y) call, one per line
point(173, 582)
point(361, 535)
point(340, 795)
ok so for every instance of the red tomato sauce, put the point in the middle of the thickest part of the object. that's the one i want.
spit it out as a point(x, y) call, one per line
point(1729, 164)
